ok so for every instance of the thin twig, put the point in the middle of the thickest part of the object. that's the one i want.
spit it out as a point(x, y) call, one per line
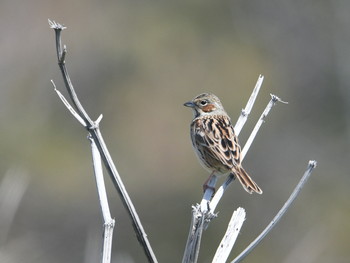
point(219, 193)
point(68, 106)
point(208, 194)
point(102, 194)
point(230, 236)
point(95, 133)
point(248, 108)
point(276, 219)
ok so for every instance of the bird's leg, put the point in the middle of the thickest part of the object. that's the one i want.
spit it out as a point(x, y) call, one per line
point(210, 183)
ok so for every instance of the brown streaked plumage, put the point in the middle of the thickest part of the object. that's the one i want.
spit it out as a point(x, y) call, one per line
point(215, 142)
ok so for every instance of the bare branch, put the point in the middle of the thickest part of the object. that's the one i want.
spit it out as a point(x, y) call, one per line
point(230, 237)
point(96, 135)
point(219, 193)
point(194, 236)
point(276, 219)
point(248, 108)
point(55, 25)
point(208, 194)
point(102, 194)
point(68, 106)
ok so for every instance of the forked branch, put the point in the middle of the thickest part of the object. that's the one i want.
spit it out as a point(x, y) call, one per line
point(93, 128)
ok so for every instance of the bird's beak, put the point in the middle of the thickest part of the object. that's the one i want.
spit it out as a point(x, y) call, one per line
point(189, 104)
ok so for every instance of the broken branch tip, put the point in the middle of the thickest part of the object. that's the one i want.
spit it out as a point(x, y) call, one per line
point(275, 99)
point(55, 25)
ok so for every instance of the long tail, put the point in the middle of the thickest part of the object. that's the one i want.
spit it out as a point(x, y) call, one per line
point(248, 184)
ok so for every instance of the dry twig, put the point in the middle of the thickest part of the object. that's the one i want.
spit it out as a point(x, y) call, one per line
point(81, 115)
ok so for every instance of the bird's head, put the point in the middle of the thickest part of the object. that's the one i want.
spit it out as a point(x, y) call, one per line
point(206, 104)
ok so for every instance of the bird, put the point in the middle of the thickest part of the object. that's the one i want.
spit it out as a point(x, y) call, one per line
point(215, 142)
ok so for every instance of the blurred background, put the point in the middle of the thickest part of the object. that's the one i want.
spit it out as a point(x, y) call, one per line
point(137, 62)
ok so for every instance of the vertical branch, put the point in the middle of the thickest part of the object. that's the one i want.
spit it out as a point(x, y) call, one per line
point(194, 236)
point(102, 194)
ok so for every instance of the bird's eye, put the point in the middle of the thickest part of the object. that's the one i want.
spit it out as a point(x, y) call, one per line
point(204, 102)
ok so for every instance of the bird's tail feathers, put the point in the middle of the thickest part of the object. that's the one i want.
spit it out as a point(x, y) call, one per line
point(248, 184)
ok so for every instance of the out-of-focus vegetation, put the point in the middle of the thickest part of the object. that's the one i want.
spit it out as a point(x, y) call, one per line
point(136, 62)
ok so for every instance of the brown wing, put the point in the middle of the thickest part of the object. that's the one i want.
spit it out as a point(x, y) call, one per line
point(218, 147)
point(216, 141)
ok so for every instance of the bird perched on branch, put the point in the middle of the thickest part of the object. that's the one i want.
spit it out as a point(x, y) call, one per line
point(215, 142)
